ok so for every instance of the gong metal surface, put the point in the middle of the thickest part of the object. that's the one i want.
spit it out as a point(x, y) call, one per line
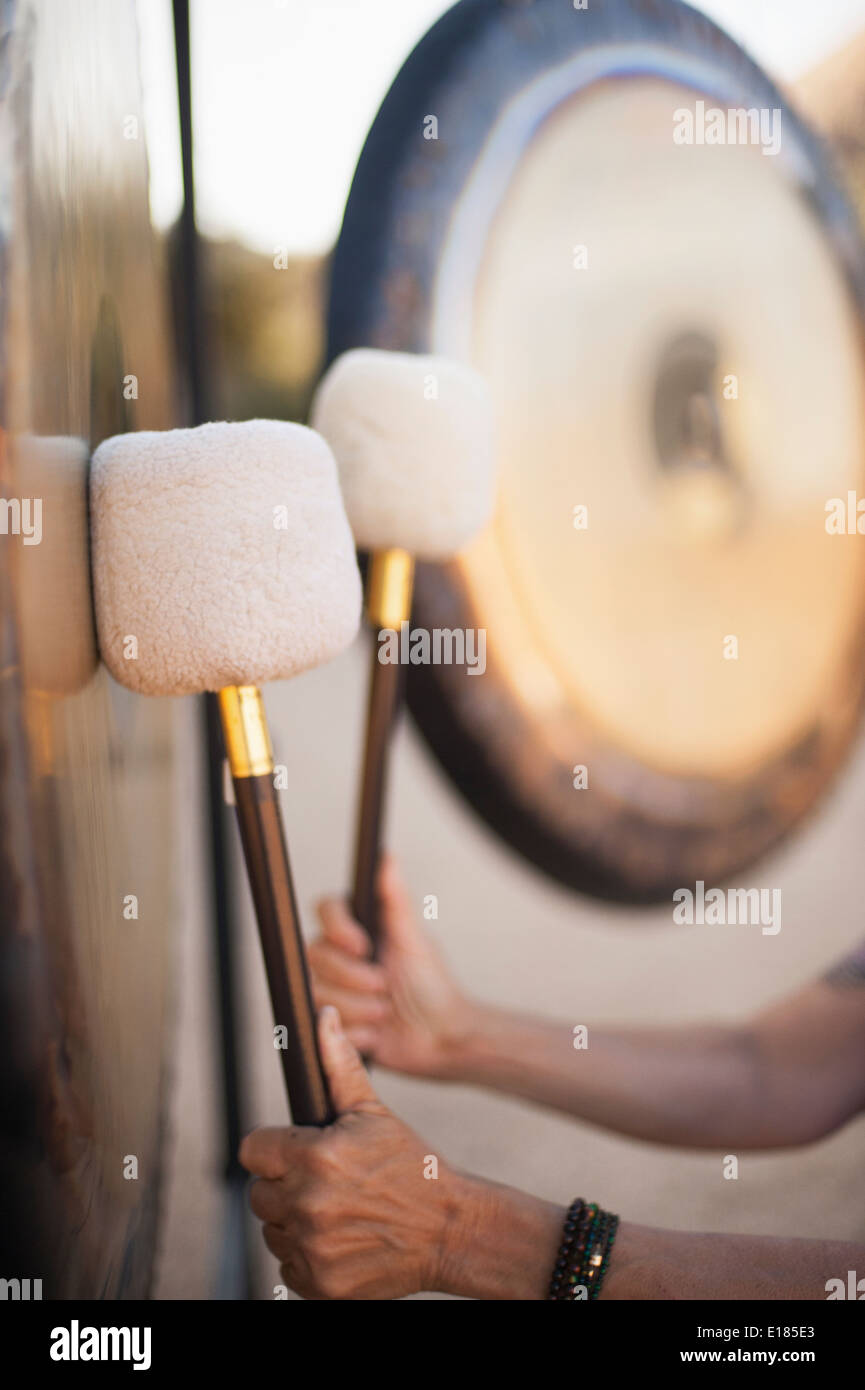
point(672, 336)
point(87, 828)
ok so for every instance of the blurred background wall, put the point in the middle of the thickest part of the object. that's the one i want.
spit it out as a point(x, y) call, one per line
point(284, 95)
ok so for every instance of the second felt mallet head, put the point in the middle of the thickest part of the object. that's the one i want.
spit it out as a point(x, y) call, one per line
point(413, 440)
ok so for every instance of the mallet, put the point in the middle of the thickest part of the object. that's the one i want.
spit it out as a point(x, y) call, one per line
point(412, 436)
point(222, 558)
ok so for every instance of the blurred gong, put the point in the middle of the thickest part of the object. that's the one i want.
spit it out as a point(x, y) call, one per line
point(87, 891)
point(672, 332)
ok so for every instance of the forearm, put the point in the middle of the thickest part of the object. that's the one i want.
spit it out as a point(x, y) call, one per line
point(659, 1264)
point(690, 1086)
point(502, 1244)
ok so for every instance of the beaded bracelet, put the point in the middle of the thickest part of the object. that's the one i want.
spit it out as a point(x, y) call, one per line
point(584, 1254)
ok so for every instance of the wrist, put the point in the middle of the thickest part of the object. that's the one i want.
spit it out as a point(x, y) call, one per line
point(497, 1243)
point(466, 1038)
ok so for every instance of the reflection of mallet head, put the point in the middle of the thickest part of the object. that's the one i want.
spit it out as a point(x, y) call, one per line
point(222, 558)
point(413, 441)
point(58, 648)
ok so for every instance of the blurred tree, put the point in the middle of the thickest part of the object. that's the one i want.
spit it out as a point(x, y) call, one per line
point(832, 97)
point(265, 330)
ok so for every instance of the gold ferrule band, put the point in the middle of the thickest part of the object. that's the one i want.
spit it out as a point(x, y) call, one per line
point(244, 726)
point(389, 582)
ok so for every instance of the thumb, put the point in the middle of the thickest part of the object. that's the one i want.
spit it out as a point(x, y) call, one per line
point(347, 1077)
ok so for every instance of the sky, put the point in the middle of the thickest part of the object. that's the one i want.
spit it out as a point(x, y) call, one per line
point(285, 91)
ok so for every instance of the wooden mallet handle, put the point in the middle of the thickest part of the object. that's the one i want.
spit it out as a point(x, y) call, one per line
point(388, 604)
point(267, 863)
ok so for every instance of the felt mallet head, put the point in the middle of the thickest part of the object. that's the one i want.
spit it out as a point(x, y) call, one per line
point(222, 556)
point(413, 441)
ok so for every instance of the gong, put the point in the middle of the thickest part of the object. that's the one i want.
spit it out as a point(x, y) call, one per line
point(88, 909)
point(615, 216)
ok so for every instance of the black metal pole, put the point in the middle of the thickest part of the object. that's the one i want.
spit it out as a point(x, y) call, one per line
point(234, 1277)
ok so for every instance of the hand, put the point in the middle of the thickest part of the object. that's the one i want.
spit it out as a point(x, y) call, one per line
point(347, 1209)
point(404, 1010)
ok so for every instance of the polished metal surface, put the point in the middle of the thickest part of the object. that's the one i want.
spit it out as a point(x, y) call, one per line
point(86, 813)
